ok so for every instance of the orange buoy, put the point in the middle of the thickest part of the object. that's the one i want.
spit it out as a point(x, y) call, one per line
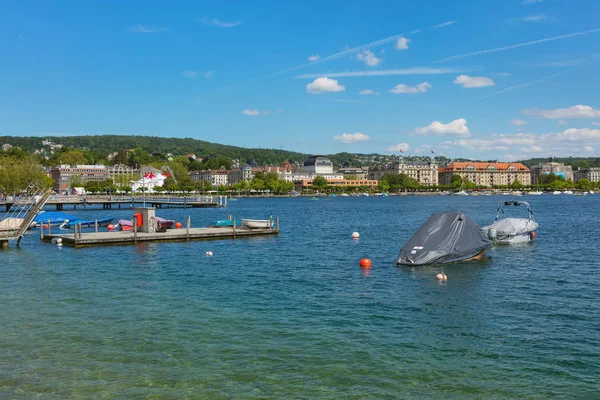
point(365, 263)
point(111, 227)
point(178, 225)
point(533, 235)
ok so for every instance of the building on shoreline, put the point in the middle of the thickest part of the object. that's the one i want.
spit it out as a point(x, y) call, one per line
point(551, 167)
point(591, 174)
point(426, 173)
point(354, 172)
point(216, 177)
point(319, 165)
point(65, 175)
point(303, 184)
point(486, 174)
point(121, 174)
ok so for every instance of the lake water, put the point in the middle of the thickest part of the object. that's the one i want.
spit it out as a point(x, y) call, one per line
point(294, 316)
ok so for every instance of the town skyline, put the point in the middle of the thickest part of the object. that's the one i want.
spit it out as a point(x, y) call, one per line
point(506, 81)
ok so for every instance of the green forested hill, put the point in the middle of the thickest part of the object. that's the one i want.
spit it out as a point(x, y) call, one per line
point(106, 144)
point(101, 145)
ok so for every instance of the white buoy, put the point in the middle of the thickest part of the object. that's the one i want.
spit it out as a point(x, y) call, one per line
point(441, 277)
point(56, 240)
point(492, 234)
point(59, 244)
point(355, 235)
point(209, 253)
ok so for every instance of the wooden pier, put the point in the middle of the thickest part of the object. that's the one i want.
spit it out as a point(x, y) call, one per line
point(107, 202)
point(79, 239)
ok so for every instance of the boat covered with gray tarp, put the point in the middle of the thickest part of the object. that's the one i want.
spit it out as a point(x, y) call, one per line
point(444, 238)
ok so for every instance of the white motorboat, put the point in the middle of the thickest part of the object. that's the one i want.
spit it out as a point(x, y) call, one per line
point(557, 192)
point(258, 223)
point(461, 193)
point(511, 230)
point(536, 193)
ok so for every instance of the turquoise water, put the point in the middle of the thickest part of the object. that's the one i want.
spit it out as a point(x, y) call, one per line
point(294, 316)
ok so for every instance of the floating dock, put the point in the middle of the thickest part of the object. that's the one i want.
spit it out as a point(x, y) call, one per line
point(79, 239)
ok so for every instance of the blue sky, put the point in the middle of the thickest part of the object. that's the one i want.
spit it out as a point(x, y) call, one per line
point(505, 79)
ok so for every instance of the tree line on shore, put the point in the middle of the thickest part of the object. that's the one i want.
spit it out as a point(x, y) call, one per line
point(18, 166)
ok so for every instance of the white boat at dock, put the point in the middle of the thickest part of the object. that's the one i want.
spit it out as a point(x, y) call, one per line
point(258, 223)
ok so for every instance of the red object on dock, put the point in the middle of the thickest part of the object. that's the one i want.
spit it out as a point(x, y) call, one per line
point(178, 225)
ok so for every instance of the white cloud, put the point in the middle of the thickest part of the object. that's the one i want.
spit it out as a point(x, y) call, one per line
point(406, 71)
point(568, 142)
point(517, 122)
point(577, 135)
point(526, 2)
point(351, 137)
point(502, 74)
point(253, 112)
point(496, 142)
point(368, 58)
point(589, 149)
point(314, 57)
point(514, 46)
point(562, 122)
point(511, 157)
point(420, 88)
point(596, 123)
point(533, 18)
point(367, 92)
point(473, 81)
point(578, 111)
point(207, 74)
point(458, 127)
point(145, 29)
point(218, 23)
point(532, 149)
point(399, 148)
point(323, 85)
point(402, 43)
point(422, 149)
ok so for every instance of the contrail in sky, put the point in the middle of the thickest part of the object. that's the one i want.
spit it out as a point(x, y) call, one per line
point(344, 53)
point(341, 54)
point(385, 72)
point(508, 89)
point(514, 46)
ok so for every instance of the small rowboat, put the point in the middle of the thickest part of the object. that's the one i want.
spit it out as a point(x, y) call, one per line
point(258, 223)
point(86, 223)
point(222, 222)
